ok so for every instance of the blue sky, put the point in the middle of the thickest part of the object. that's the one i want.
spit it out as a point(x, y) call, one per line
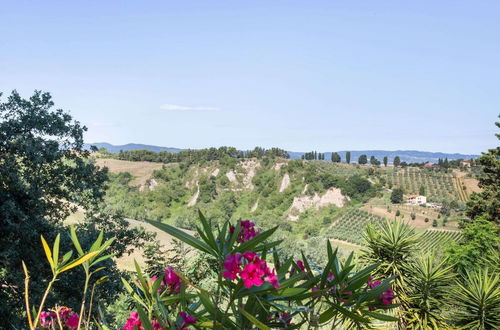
point(301, 75)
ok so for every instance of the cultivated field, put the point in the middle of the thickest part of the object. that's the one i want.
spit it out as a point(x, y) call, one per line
point(438, 186)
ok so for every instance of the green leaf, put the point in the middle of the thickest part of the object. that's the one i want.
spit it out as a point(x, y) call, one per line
point(247, 246)
point(98, 260)
point(145, 322)
point(256, 322)
point(76, 243)
point(66, 257)
point(327, 315)
point(382, 317)
point(97, 244)
point(186, 238)
point(55, 250)
point(346, 313)
point(208, 231)
point(48, 253)
point(209, 306)
point(78, 262)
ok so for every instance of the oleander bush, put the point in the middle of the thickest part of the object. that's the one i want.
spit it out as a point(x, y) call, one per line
point(254, 287)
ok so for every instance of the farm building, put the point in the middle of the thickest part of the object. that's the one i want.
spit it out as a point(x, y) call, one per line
point(416, 199)
point(466, 163)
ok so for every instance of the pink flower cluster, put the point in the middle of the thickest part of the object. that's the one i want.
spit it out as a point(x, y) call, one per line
point(186, 320)
point(247, 231)
point(172, 280)
point(254, 272)
point(68, 318)
point(134, 322)
point(386, 297)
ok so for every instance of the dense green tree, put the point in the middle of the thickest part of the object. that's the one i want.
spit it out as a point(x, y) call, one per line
point(45, 174)
point(397, 196)
point(397, 161)
point(362, 160)
point(348, 157)
point(487, 202)
point(374, 161)
point(421, 191)
point(336, 157)
point(478, 247)
point(385, 161)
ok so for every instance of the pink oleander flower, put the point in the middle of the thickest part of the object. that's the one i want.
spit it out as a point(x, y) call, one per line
point(247, 231)
point(133, 321)
point(387, 297)
point(72, 321)
point(186, 319)
point(301, 265)
point(47, 319)
point(285, 318)
point(156, 325)
point(64, 312)
point(314, 289)
point(330, 277)
point(249, 256)
point(272, 278)
point(172, 280)
point(252, 275)
point(232, 265)
point(372, 284)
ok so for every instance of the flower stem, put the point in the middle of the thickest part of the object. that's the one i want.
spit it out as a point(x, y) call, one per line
point(46, 293)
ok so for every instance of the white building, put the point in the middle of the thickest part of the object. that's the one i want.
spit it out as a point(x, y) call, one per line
point(416, 199)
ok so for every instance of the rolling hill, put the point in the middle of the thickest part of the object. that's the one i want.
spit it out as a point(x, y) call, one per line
point(410, 156)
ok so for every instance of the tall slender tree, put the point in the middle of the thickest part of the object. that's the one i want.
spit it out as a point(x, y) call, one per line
point(385, 161)
point(348, 157)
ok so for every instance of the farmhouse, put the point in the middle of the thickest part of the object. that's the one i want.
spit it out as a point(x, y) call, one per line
point(466, 163)
point(415, 199)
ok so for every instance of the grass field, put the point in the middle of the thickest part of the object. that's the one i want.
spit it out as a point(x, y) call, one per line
point(141, 171)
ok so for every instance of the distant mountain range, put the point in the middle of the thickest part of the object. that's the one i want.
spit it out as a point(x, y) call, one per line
point(410, 156)
point(130, 146)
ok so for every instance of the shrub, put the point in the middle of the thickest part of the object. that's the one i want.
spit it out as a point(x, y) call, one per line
point(434, 223)
point(254, 287)
point(426, 219)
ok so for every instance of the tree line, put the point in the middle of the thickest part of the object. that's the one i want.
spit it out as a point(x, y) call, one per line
point(207, 154)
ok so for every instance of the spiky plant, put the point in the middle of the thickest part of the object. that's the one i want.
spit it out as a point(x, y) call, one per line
point(391, 244)
point(477, 299)
point(427, 284)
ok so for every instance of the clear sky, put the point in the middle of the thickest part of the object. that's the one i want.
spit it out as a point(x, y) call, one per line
point(301, 75)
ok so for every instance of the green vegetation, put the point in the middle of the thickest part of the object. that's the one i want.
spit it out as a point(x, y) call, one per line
point(351, 225)
point(438, 185)
point(435, 240)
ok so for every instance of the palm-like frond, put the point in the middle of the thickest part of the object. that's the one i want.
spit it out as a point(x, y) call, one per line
point(478, 300)
point(426, 290)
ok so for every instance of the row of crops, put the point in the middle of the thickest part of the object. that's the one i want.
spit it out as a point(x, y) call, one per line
point(338, 169)
point(438, 186)
point(351, 226)
point(434, 239)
